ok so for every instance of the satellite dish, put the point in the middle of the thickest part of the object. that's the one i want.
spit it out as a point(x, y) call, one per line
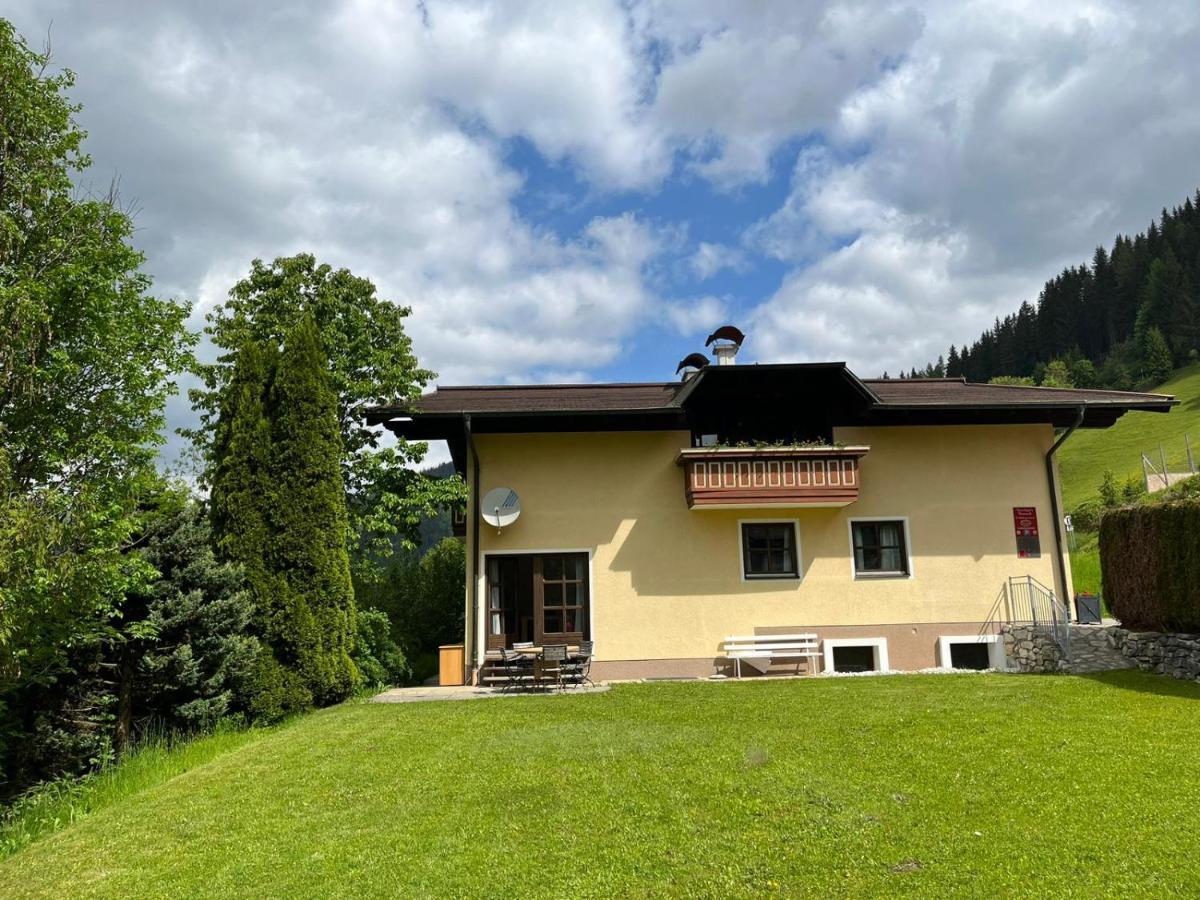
point(501, 506)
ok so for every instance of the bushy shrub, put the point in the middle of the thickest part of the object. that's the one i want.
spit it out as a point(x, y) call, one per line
point(1188, 489)
point(379, 658)
point(1086, 516)
point(1150, 565)
point(1132, 489)
point(278, 690)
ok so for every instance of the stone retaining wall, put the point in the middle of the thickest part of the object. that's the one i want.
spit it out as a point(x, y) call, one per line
point(1031, 648)
point(1177, 655)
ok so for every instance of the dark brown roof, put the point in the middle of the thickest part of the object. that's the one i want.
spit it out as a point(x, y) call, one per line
point(674, 404)
point(958, 392)
point(547, 398)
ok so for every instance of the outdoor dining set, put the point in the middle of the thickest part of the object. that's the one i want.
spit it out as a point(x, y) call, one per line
point(553, 667)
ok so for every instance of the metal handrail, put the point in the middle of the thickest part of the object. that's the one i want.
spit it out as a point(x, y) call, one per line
point(1040, 601)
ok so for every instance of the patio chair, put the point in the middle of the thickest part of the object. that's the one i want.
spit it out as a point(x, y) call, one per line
point(578, 667)
point(548, 668)
point(516, 667)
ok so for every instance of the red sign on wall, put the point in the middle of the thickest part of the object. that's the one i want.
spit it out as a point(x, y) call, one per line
point(1025, 525)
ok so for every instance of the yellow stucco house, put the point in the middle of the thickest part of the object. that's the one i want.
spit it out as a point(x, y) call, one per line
point(885, 517)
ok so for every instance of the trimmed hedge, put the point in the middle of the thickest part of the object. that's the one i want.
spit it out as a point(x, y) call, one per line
point(1150, 565)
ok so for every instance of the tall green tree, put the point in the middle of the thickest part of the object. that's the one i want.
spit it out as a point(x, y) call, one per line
point(1156, 358)
point(240, 508)
point(87, 359)
point(185, 658)
point(371, 361)
point(308, 518)
point(241, 472)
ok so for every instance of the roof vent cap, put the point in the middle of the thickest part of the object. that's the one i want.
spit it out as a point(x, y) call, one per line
point(691, 364)
point(725, 341)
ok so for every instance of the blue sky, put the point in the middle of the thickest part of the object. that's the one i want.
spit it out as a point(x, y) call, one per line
point(582, 190)
point(555, 196)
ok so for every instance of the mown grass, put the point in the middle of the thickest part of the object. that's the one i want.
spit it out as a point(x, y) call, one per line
point(1089, 453)
point(956, 785)
point(56, 805)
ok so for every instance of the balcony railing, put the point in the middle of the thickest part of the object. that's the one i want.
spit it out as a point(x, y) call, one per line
point(751, 477)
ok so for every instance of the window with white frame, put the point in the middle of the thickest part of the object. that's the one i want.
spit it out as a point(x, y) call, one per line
point(867, 654)
point(880, 548)
point(971, 651)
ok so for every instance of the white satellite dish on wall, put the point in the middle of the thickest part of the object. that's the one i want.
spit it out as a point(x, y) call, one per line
point(501, 506)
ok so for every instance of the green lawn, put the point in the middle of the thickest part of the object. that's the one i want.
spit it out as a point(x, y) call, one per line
point(956, 785)
point(1084, 458)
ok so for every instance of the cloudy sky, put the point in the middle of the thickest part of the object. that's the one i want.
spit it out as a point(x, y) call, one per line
point(579, 191)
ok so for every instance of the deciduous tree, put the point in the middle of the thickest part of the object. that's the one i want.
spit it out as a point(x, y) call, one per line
point(371, 361)
point(87, 359)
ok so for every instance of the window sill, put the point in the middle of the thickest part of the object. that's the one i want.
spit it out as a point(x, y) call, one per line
point(881, 576)
point(746, 577)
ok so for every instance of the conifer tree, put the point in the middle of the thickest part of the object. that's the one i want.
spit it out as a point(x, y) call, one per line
point(242, 464)
point(240, 511)
point(1102, 312)
point(953, 363)
point(308, 518)
point(1156, 361)
point(188, 630)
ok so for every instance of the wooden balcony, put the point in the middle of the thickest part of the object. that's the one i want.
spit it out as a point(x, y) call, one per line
point(758, 477)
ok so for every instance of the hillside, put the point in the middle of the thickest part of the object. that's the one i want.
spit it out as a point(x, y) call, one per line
point(1085, 457)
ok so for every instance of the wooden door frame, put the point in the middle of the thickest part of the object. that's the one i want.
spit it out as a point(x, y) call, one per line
point(481, 623)
point(540, 636)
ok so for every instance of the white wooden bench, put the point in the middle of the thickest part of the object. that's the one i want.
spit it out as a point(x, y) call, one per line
point(770, 647)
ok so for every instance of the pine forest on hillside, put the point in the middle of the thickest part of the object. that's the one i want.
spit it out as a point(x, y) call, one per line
point(1123, 321)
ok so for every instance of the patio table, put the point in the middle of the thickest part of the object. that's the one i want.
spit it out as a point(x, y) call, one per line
point(537, 651)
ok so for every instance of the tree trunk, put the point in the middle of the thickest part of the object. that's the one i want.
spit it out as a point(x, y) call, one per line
point(124, 730)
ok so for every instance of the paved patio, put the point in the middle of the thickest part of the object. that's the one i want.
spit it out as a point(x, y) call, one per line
point(427, 693)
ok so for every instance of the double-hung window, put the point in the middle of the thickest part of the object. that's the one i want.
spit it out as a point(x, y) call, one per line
point(769, 550)
point(880, 549)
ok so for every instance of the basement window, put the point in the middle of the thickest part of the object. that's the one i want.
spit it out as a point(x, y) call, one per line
point(975, 651)
point(855, 654)
point(854, 659)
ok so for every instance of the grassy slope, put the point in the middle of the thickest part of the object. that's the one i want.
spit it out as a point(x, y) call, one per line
point(1085, 563)
point(1084, 458)
point(62, 803)
point(906, 785)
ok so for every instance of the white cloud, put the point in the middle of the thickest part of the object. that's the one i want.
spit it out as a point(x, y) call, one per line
point(696, 316)
point(564, 75)
point(946, 158)
point(1011, 140)
point(709, 259)
point(743, 79)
